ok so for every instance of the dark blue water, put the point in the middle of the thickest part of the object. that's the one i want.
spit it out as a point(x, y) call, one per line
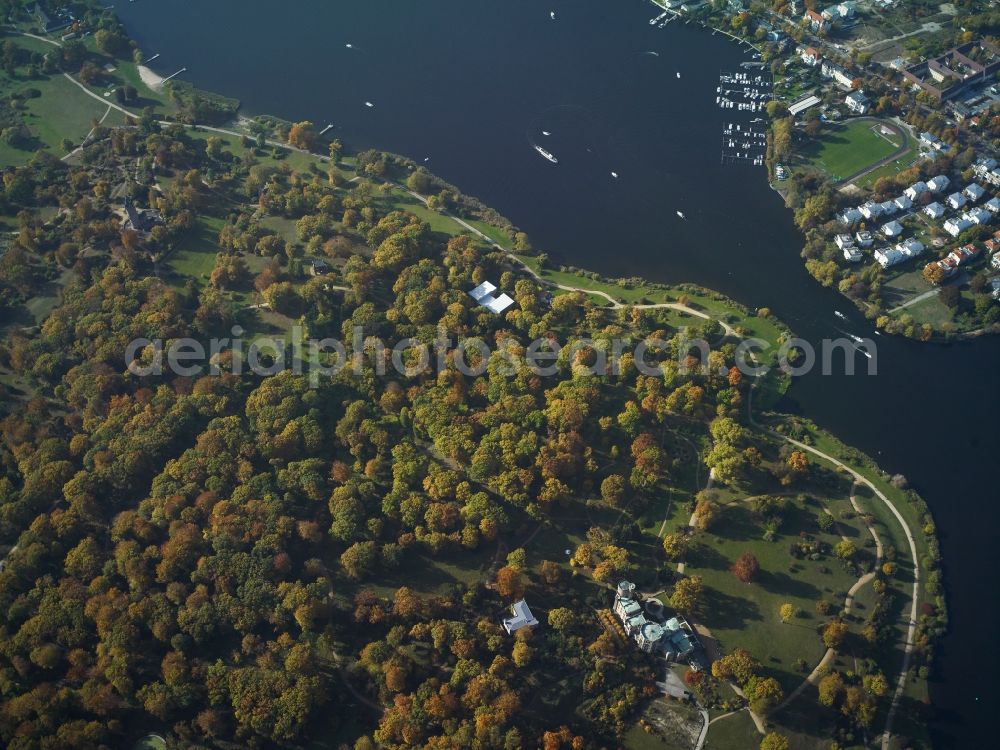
point(472, 85)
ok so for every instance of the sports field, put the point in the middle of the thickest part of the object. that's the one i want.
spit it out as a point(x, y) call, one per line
point(845, 150)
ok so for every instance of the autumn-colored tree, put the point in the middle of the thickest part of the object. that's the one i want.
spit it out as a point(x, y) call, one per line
point(834, 633)
point(774, 741)
point(522, 654)
point(739, 666)
point(831, 689)
point(509, 583)
point(613, 490)
point(675, 545)
point(705, 512)
point(303, 135)
point(551, 572)
point(845, 549)
point(876, 684)
point(746, 568)
point(764, 693)
point(934, 273)
point(562, 618)
point(359, 559)
point(797, 467)
point(688, 595)
point(787, 612)
point(604, 645)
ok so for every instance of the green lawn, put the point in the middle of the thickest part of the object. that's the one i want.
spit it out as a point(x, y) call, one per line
point(843, 150)
point(891, 532)
point(62, 111)
point(891, 169)
point(195, 254)
point(931, 310)
point(745, 615)
point(734, 732)
point(403, 201)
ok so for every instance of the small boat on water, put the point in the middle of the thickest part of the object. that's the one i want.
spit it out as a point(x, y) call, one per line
point(678, 74)
point(615, 175)
point(369, 104)
point(546, 154)
point(681, 214)
point(349, 45)
point(840, 315)
point(552, 15)
point(546, 132)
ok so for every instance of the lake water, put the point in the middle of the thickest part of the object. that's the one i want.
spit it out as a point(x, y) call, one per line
point(471, 86)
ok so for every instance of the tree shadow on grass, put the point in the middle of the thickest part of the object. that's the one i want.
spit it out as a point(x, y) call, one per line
point(782, 583)
point(737, 524)
point(705, 556)
point(730, 612)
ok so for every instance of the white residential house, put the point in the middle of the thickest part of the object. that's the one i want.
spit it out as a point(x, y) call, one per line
point(852, 254)
point(840, 74)
point(974, 192)
point(522, 617)
point(938, 184)
point(994, 178)
point(995, 261)
point(915, 190)
point(892, 229)
point(888, 256)
point(995, 284)
point(816, 21)
point(984, 165)
point(846, 9)
point(844, 241)
point(955, 226)
point(912, 247)
point(850, 216)
point(956, 201)
point(935, 210)
point(929, 139)
point(857, 102)
point(810, 56)
point(903, 203)
point(864, 239)
point(993, 204)
point(889, 208)
point(979, 216)
point(871, 210)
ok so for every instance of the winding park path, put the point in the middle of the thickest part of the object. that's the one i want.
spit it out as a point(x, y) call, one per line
point(831, 653)
point(915, 596)
point(679, 307)
point(730, 331)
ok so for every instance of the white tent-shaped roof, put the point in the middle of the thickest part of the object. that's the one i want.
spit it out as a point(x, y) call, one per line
point(483, 294)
